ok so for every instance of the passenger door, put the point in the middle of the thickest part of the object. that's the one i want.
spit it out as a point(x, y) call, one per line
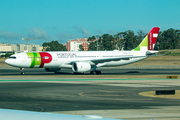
point(23, 58)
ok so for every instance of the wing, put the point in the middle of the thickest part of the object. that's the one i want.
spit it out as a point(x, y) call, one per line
point(103, 60)
point(28, 115)
point(96, 61)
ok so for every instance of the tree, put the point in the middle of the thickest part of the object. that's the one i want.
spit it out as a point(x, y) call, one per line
point(141, 35)
point(130, 40)
point(92, 44)
point(107, 42)
point(168, 39)
point(81, 48)
point(119, 41)
point(53, 46)
point(7, 55)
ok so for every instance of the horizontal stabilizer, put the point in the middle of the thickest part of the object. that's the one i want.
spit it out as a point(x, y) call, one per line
point(151, 52)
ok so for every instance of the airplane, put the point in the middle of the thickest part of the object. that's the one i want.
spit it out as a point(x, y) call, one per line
point(83, 61)
point(7, 114)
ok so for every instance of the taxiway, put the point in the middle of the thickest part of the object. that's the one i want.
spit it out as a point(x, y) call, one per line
point(109, 98)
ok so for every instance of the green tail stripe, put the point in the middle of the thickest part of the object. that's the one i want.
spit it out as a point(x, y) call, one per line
point(143, 43)
point(137, 48)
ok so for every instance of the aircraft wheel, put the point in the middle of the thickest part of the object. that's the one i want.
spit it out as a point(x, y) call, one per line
point(93, 72)
point(79, 73)
point(98, 72)
point(55, 72)
point(21, 70)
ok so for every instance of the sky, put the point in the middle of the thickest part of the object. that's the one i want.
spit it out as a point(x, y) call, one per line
point(64, 20)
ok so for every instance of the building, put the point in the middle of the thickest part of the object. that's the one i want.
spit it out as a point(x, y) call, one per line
point(22, 47)
point(16, 48)
point(5, 48)
point(73, 45)
point(41, 48)
point(4, 44)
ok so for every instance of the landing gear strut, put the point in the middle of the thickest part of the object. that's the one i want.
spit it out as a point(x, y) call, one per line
point(94, 71)
point(22, 71)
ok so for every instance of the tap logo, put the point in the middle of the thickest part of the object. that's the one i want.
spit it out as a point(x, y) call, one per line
point(38, 59)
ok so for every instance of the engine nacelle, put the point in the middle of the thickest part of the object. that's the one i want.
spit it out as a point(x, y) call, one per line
point(81, 67)
point(52, 69)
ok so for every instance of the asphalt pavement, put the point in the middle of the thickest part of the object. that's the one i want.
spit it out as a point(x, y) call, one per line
point(110, 71)
point(109, 98)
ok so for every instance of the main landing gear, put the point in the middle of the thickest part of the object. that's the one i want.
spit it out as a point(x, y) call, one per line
point(78, 73)
point(95, 72)
point(22, 71)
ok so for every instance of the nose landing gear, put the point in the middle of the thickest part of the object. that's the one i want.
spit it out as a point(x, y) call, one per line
point(22, 71)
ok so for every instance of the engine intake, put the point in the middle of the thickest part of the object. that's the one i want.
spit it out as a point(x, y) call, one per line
point(81, 67)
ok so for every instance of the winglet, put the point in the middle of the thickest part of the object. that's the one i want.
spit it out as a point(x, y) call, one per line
point(149, 41)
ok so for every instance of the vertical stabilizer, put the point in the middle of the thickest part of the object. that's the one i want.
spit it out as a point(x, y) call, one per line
point(149, 41)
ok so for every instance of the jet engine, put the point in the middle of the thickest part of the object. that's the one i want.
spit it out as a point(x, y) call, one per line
point(52, 69)
point(81, 67)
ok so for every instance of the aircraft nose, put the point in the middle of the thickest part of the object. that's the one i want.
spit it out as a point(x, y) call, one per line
point(7, 61)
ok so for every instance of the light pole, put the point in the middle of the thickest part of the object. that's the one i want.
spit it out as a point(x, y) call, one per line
point(97, 36)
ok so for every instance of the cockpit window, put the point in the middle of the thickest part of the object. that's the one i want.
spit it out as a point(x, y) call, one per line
point(12, 57)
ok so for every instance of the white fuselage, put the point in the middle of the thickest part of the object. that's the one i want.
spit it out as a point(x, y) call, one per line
point(64, 59)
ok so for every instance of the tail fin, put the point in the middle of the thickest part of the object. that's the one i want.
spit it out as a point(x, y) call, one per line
point(149, 41)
